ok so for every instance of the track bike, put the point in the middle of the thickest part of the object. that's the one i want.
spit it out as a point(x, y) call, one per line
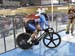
point(50, 39)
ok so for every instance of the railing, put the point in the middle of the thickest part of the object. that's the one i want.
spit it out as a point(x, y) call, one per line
point(10, 27)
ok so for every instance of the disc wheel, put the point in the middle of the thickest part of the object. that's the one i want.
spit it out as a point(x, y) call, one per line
point(22, 41)
point(52, 40)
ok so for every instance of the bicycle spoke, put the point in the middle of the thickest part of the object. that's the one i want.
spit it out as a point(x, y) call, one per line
point(54, 43)
point(47, 38)
point(48, 43)
point(56, 39)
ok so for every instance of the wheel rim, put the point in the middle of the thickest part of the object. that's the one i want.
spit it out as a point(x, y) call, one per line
point(22, 41)
point(52, 40)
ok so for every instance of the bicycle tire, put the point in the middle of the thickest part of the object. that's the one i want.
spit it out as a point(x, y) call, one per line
point(23, 37)
point(55, 45)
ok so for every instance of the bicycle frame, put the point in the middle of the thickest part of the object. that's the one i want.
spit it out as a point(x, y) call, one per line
point(44, 34)
point(41, 36)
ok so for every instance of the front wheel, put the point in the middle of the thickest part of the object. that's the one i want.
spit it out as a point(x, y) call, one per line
point(52, 40)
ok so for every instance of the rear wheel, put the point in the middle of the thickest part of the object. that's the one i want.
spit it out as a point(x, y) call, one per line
point(52, 40)
point(22, 41)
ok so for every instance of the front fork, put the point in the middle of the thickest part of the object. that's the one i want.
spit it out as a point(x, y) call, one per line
point(50, 34)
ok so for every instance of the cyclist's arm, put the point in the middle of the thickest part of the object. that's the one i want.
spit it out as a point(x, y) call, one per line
point(43, 19)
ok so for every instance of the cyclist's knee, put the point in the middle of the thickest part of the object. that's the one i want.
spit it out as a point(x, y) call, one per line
point(38, 27)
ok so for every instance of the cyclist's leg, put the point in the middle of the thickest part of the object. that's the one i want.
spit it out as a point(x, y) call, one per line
point(38, 28)
point(31, 28)
point(43, 20)
point(35, 29)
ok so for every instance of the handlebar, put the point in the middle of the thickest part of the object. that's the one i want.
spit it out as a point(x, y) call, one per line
point(49, 29)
